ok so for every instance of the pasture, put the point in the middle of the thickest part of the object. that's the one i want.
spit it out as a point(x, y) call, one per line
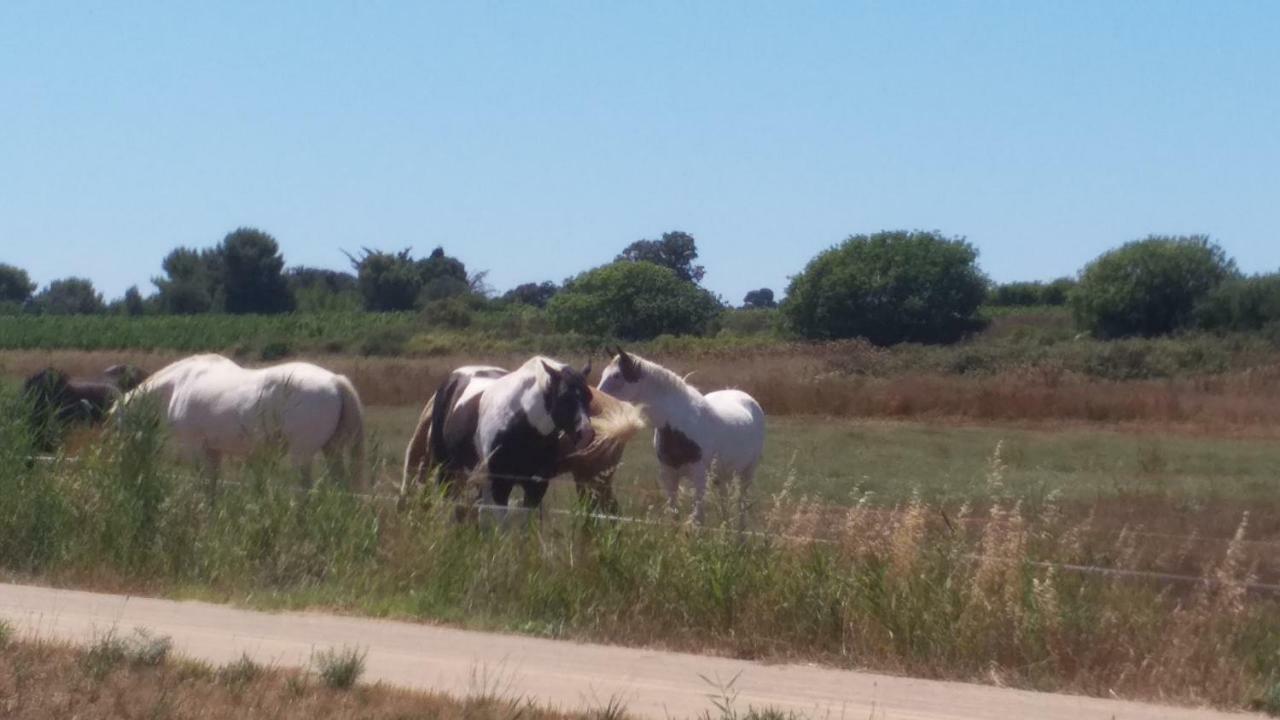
point(942, 548)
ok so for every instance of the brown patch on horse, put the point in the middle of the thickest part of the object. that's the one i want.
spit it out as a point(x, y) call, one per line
point(675, 449)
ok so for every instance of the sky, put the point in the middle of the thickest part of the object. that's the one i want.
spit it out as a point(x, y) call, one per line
point(535, 140)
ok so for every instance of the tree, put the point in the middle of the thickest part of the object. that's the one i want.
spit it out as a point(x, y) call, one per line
point(1026, 294)
point(130, 304)
point(890, 287)
point(192, 284)
point(535, 294)
point(253, 273)
point(323, 290)
point(1149, 287)
point(15, 284)
point(395, 281)
point(676, 250)
point(1246, 304)
point(759, 299)
point(69, 296)
point(632, 301)
point(387, 281)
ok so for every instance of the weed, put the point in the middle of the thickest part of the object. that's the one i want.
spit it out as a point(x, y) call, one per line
point(339, 669)
point(143, 648)
point(103, 655)
point(240, 671)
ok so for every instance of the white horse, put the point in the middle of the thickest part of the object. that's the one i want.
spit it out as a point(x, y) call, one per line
point(214, 408)
point(693, 433)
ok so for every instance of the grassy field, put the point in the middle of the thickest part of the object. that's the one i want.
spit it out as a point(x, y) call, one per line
point(132, 679)
point(980, 596)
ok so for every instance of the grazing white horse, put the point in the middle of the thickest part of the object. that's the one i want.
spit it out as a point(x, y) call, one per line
point(693, 433)
point(213, 408)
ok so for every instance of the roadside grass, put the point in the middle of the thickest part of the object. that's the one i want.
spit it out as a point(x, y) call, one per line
point(902, 592)
point(45, 681)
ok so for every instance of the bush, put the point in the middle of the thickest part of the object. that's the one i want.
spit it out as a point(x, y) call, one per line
point(1149, 287)
point(889, 287)
point(1028, 294)
point(1243, 305)
point(632, 301)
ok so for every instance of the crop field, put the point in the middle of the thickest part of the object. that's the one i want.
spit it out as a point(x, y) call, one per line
point(1132, 554)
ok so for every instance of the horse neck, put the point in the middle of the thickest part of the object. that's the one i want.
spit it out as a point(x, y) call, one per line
point(670, 404)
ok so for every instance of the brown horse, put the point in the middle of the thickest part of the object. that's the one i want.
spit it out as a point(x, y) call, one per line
point(614, 421)
point(57, 401)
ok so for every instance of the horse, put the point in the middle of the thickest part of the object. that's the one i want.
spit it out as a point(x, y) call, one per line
point(613, 421)
point(510, 430)
point(56, 400)
point(692, 432)
point(214, 408)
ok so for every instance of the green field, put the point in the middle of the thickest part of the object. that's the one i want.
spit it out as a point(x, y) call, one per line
point(839, 461)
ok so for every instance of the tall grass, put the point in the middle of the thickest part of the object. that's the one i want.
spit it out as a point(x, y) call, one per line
point(954, 600)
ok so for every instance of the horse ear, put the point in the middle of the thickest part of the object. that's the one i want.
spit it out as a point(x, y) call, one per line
point(551, 371)
point(586, 369)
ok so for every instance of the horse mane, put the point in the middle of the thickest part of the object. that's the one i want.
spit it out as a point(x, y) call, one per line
point(666, 378)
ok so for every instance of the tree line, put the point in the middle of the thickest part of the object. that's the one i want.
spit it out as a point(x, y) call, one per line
point(887, 287)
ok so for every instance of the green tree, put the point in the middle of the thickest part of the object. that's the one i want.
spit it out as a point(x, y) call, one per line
point(387, 281)
point(1244, 304)
point(676, 250)
point(15, 284)
point(1149, 287)
point(759, 299)
point(395, 281)
point(130, 304)
point(69, 296)
point(253, 273)
point(890, 287)
point(192, 282)
point(534, 294)
point(323, 290)
point(632, 301)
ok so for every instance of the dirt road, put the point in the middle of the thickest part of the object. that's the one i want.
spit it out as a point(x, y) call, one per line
point(650, 683)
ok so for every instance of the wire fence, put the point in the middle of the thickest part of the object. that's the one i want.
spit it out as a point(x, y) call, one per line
point(503, 512)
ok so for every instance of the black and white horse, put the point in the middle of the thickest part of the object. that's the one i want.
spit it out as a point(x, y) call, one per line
point(509, 429)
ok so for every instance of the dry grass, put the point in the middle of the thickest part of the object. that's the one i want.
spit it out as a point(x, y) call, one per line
point(834, 382)
point(42, 681)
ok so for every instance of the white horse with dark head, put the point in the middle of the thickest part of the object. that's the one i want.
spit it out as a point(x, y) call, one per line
point(509, 428)
point(214, 408)
point(693, 433)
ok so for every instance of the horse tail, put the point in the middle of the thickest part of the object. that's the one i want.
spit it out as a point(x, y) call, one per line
point(417, 457)
point(350, 431)
point(444, 398)
point(615, 422)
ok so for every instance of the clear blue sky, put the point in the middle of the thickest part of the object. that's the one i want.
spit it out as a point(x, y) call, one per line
point(535, 140)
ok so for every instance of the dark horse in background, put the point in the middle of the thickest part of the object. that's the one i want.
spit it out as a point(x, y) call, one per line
point(57, 401)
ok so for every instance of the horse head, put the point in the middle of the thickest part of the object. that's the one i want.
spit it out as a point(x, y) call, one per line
point(621, 375)
point(567, 399)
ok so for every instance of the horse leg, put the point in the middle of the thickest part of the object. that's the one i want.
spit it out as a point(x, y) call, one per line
point(212, 462)
point(498, 493)
point(670, 479)
point(745, 478)
point(698, 474)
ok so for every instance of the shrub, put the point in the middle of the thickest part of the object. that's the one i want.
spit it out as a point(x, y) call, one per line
point(889, 287)
point(1242, 304)
point(1028, 294)
point(632, 301)
point(1149, 287)
point(340, 669)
